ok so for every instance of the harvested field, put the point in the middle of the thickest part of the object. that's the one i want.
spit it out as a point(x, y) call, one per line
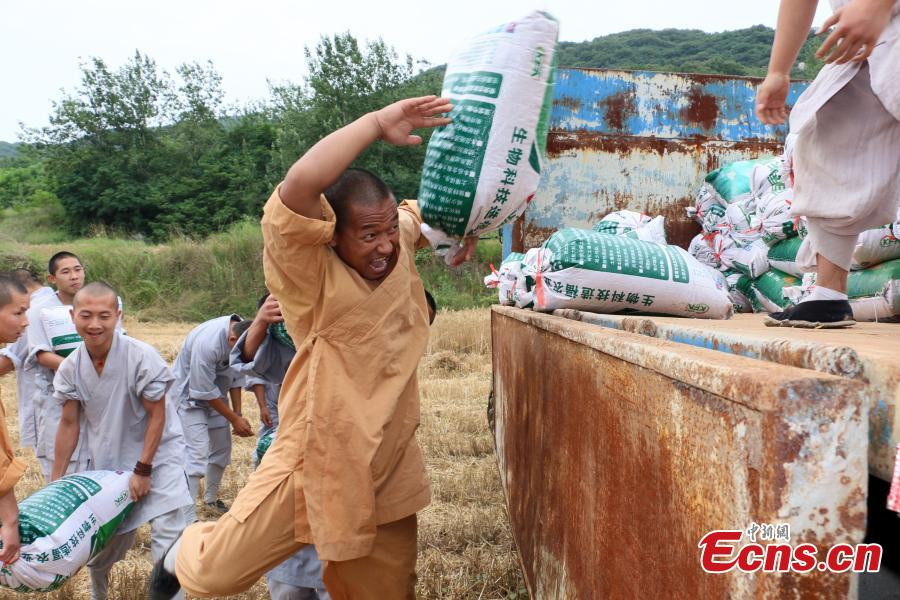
point(465, 547)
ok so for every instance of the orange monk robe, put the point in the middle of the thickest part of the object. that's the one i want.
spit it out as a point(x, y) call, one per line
point(349, 403)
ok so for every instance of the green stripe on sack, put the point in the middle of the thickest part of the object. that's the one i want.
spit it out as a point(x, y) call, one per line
point(69, 338)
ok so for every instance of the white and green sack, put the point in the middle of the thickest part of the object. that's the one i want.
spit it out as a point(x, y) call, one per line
point(769, 291)
point(504, 278)
point(598, 272)
point(635, 225)
point(64, 525)
point(783, 256)
point(733, 182)
point(708, 209)
point(60, 329)
point(877, 245)
point(482, 169)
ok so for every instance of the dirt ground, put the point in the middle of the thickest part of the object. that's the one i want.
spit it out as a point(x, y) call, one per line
point(465, 547)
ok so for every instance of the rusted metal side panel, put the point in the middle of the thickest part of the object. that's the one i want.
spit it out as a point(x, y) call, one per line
point(641, 140)
point(867, 353)
point(618, 452)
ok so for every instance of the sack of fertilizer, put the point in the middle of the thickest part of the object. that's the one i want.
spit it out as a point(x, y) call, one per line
point(482, 169)
point(874, 293)
point(504, 278)
point(741, 222)
point(598, 272)
point(707, 248)
point(876, 246)
point(774, 210)
point(783, 256)
point(732, 182)
point(768, 290)
point(748, 258)
point(64, 525)
point(708, 209)
point(739, 299)
point(634, 224)
point(59, 328)
point(524, 293)
point(264, 443)
point(766, 177)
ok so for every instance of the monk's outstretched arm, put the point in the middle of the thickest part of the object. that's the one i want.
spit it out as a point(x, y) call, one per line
point(324, 162)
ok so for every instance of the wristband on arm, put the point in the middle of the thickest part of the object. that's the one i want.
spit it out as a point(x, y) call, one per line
point(143, 469)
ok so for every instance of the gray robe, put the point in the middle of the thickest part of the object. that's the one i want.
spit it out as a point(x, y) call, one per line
point(117, 422)
point(17, 352)
point(202, 371)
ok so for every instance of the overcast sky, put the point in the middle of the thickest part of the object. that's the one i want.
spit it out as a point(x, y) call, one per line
point(42, 42)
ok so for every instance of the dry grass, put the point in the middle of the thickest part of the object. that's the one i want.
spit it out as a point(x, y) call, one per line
point(465, 547)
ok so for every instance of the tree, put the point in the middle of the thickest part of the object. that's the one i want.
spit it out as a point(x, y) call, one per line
point(137, 150)
point(345, 82)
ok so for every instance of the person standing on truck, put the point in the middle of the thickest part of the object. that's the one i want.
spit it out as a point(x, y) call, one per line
point(345, 467)
point(846, 157)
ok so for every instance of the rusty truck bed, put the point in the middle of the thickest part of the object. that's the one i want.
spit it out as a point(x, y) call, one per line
point(619, 447)
point(868, 352)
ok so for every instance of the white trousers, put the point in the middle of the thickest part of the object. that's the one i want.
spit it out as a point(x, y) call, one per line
point(846, 172)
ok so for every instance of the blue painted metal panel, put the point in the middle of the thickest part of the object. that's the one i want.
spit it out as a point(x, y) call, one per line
point(642, 141)
point(662, 105)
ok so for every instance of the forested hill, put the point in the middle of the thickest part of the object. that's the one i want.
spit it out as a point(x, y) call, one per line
point(739, 52)
point(7, 149)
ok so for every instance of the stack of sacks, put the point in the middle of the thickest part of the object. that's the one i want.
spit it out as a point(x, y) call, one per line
point(635, 225)
point(505, 278)
point(755, 233)
point(599, 272)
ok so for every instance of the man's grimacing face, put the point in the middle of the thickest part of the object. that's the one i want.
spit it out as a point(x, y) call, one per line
point(369, 240)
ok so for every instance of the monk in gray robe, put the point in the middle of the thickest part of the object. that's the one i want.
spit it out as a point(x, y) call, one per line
point(119, 384)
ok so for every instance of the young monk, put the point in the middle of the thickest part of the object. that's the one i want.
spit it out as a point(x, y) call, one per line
point(119, 384)
point(14, 355)
point(846, 156)
point(204, 382)
point(66, 274)
point(13, 321)
point(345, 467)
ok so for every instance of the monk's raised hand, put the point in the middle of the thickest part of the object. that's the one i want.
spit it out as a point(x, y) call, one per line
point(398, 120)
point(138, 486)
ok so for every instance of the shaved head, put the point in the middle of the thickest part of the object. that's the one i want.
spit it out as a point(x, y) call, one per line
point(26, 277)
point(97, 289)
point(9, 287)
